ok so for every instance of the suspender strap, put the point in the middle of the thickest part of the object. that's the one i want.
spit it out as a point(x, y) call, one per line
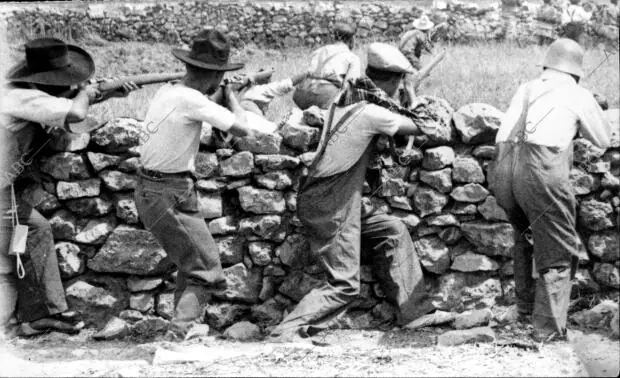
point(331, 132)
point(519, 128)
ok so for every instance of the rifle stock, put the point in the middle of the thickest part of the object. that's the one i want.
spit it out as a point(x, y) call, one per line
point(143, 79)
point(426, 70)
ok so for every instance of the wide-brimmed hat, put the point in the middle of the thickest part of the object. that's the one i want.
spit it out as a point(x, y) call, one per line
point(50, 61)
point(423, 23)
point(210, 51)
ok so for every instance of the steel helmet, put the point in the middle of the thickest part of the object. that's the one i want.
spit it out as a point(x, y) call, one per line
point(565, 55)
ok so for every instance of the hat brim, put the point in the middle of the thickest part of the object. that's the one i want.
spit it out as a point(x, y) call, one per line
point(81, 68)
point(183, 55)
point(423, 26)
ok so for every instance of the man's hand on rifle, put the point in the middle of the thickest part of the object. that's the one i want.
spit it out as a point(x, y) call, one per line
point(123, 91)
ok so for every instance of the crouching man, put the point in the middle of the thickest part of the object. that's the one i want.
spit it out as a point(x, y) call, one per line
point(166, 197)
point(329, 205)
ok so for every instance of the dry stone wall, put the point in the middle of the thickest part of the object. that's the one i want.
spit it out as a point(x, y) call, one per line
point(111, 266)
point(278, 23)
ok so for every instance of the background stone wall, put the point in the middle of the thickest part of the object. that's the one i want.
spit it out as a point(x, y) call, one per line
point(111, 266)
point(280, 23)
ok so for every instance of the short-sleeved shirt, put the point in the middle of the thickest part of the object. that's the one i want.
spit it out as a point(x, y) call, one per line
point(263, 94)
point(334, 63)
point(172, 126)
point(414, 41)
point(347, 146)
point(575, 13)
point(21, 107)
point(559, 108)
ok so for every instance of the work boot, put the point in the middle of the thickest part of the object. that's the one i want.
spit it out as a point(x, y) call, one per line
point(188, 313)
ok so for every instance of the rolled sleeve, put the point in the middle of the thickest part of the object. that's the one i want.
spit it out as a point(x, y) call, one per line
point(384, 121)
point(593, 124)
point(37, 106)
point(205, 110)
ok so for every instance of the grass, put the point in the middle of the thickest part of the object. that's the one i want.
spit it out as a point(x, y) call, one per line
point(486, 72)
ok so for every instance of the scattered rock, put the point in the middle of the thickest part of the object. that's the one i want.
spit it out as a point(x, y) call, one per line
point(221, 315)
point(477, 123)
point(115, 328)
point(471, 319)
point(598, 317)
point(150, 326)
point(436, 318)
point(466, 336)
point(96, 304)
point(242, 331)
point(268, 313)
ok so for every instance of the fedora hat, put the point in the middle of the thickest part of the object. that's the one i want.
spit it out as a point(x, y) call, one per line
point(423, 23)
point(50, 61)
point(210, 51)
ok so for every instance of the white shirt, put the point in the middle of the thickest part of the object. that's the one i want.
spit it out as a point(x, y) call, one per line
point(172, 126)
point(22, 105)
point(262, 95)
point(332, 62)
point(575, 13)
point(557, 115)
point(348, 144)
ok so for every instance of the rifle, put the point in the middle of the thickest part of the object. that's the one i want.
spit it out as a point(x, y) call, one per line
point(426, 70)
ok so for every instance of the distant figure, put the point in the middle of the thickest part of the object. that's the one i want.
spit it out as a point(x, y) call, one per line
point(329, 66)
point(573, 22)
point(414, 41)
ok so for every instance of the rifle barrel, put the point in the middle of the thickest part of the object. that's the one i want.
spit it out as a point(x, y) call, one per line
point(143, 79)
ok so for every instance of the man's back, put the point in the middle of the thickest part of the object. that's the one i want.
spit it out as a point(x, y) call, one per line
point(334, 62)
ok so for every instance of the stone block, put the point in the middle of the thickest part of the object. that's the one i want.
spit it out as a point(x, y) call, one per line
point(117, 181)
point(605, 245)
point(437, 158)
point(263, 144)
point(440, 180)
point(477, 123)
point(300, 137)
point(71, 261)
point(275, 180)
point(260, 252)
point(137, 284)
point(473, 262)
point(143, 302)
point(264, 226)
point(223, 226)
point(242, 284)
point(433, 253)
point(65, 166)
point(297, 284)
point(64, 225)
point(427, 201)
point(491, 211)
point(491, 239)
point(118, 135)
point(221, 315)
point(595, 215)
point(470, 193)
point(96, 231)
point(126, 209)
point(467, 170)
point(78, 189)
point(231, 249)
point(206, 165)
point(238, 165)
point(295, 251)
point(261, 201)
point(210, 205)
point(101, 161)
point(90, 206)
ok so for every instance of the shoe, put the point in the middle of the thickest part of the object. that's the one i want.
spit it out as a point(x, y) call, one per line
point(547, 337)
point(56, 324)
point(26, 330)
point(186, 331)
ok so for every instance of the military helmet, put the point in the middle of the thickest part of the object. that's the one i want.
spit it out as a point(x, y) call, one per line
point(565, 55)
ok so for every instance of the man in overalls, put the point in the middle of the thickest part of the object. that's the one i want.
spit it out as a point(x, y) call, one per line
point(417, 40)
point(47, 90)
point(530, 179)
point(329, 205)
point(329, 67)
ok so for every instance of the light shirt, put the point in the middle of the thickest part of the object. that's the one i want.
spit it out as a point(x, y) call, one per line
point(561, 108)
point(262, 95)
point(575, 13)
point(172, 127)
point(346, 147)
point(19, 106)
point(332, 62)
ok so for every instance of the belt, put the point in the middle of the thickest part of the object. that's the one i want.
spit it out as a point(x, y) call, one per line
point(163, 175)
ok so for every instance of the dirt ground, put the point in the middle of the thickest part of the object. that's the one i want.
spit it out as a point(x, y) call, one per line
point(341, 353)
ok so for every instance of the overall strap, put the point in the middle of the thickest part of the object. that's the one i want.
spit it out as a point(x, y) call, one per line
point(519, 128)
point(331, 132)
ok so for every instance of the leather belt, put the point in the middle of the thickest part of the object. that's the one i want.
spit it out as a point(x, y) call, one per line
point(163, 175)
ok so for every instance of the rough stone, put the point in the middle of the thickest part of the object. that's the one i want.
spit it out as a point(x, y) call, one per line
point(595, 215)
point(238, 165)
point(65, 166)
point(297, 284)
point(115, 328)
point(150, 326)
point(598, 317)
point(90, 206)
point(466, 336)
point(471, 319)
point(294, 252)
point(132, 251)
point(276, 162)
point(433, 253)
point(427, 201)
point(165, 305)
point(437, 127)
point(605, 246)
point(96, 231)
point(64, 225)
point(242, 284)
point(101, 161)
point(221, 315)
point(142, 302)
point(126, 209)
point(410, 220)
point(462, 208)
point(469, 193)
point(457, 291)
point(442, 220)
point(584, 283)
point(264, 144)
point(61, 140)
point(117, 136)
point(264, 226)
point(400, 202)
point(582, 182)
point(473, 262)
point(242, 331)
point(78, 189)
point(491, 211)
point(291, 201)
point(275, 180)
point(606, 274)
point(314, 116)
point(467, 170)
point(210, 205)
point(440, 180)
point(450, 235)
point(129, 165)
point(231, 249)
point(96, 304)
point(260, 252)
point(437, 158)
point(117, 181)
point(223, 226)
point(584, 152)
point(491, 239)
point(486, 152)
point(136, 284)
point(131, 315)
point(71, 262)
point(261, 201)
point(268, 313)
point(43, 201)
point(211, 185)
point(206, 165)
point(300, 137)
point(477, 123)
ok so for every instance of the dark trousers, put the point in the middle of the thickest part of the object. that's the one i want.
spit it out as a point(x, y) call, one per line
point(40, 293)
point(531, 184)
point(168, 207)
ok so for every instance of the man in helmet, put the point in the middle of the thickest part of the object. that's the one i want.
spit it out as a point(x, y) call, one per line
point(530, 179)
